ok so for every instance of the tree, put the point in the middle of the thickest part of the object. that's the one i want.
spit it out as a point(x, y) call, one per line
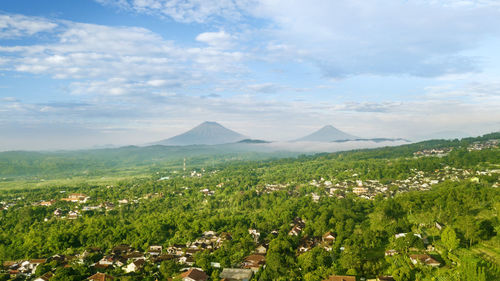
point(470, 269)
point(467, 224)
point(402, 274)
point(215, 274)
point(43, 268)
point(280, 259)
point(66, 274)
point(168, 268)
point(449, 239)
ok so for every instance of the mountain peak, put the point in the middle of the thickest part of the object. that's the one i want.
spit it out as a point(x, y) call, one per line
point(208, 133)
point(327, 133)
point(210, 123)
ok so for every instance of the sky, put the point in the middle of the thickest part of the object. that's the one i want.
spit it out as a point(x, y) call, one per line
point(85, 73)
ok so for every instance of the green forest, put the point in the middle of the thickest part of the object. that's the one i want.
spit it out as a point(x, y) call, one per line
point(407, 212)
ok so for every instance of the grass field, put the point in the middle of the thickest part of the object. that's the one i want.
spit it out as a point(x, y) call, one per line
point(74, 181)
point(489, 250)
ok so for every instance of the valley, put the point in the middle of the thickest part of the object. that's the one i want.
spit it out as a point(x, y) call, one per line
point(364, 213)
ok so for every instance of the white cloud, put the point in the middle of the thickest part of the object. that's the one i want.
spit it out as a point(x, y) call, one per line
point(133, 77)
point(94, 53)
point(342, 38)
point(219, 40)
point(187, 11)
point(265, 88)
point(346, 38)
point(9, 99)
point(12, 26)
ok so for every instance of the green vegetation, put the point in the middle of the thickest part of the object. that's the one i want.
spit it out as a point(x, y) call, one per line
point(372, 201)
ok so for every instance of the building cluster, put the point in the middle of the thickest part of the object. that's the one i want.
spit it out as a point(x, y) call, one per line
point(478, 145)
point(130, 260)
point(438, 152)
point(269, 188)
point(306, 243)
point(76, 198)
point(353, 278)
point(417, 181)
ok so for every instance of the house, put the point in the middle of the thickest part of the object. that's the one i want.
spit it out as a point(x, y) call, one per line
point(399, 235)
point(45, 277)
point(155, 250)
point(76, 198)
point(135, 255)
point(359, 190)
point(194, 274)
point(34, 263)
point(438, 226)
point(58, 212)
point(254, 262)
point(100, 277)
point(391, 252)
point(91, 208)
point(295, 231)
point(105, 262)
point(121, 249)
point(14, 273)
point(306, 244)
point(72, 215)
point(192, 252)
point(328, 237)
point(209, 234)
point(47, 203)
point(261, 249)
point(236, 274)
point(134, 266)
point(24, 267)
point(315, 197)
point(164, 257)
point(255, 234)
point(10, 265)
point(175, 250)
point(424, 259)
point(109, 206)
point(385, 278)
point(59, 258)
point(297, 226)
point(186, 260)
point(341, 278)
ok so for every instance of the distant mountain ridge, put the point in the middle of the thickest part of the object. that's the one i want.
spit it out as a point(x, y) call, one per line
point(253, 141)
point(375, 140)
point(213, 133)
point(328, 134)
point(209, 133)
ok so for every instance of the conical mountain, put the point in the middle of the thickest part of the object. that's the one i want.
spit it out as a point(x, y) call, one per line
point(327, 134)
point(206, 133)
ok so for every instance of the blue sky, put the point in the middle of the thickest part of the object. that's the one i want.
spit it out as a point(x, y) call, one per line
point(82, 73)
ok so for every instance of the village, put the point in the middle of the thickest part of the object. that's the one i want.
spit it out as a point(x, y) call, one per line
point(418, 181)
point(124, 260)
point(131, 261)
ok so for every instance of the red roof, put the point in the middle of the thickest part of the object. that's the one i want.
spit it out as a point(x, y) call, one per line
point(256, 259)
point(195, 274)
point(100, 277)
point(341, 278)
point(328, 234)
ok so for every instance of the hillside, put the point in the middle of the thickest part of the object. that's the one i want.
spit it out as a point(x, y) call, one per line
point(364, 213)
point(133, 159)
